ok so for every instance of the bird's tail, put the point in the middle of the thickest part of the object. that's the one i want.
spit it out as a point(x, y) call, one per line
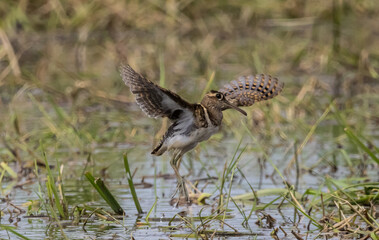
point(160, 148)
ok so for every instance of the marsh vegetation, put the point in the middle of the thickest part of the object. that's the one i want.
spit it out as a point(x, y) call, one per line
point(302, 166)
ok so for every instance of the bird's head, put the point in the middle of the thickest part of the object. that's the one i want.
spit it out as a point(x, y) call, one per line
point(215, 99)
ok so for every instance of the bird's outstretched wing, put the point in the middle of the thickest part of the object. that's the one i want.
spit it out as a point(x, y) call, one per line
point(154, 100)
point(250, 89)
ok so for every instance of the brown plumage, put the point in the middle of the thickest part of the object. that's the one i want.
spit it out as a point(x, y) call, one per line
point(250, 89)
point(194, 123)
point(150, 96)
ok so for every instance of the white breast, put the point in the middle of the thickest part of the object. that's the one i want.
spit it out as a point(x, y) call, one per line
point(187, 142)
point(199, 135)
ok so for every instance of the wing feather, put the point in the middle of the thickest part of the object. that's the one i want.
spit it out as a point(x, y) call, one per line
point(154, 100)
point(250, 89)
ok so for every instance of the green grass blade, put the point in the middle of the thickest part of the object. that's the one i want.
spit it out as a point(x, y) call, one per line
point(9, 170)
point(11, 229)
point(99, 185)
point(48, 207)
point(209, 83)
point(262, 193)
point(356, 140)
point(221, 198)
point(52, 189)
point(131, 185)
point(151, 210)
point(162, 71)
point(312, 131)
point(314, 221)
point(241, 211)
point(232, 167)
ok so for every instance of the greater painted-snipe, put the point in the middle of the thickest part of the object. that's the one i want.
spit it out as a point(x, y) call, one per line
point(194, 123)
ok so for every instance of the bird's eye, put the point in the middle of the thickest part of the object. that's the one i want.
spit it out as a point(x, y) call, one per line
point(219, 96)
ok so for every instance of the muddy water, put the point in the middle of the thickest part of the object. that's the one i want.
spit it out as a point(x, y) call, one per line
point(154, 178)
point(78, 191)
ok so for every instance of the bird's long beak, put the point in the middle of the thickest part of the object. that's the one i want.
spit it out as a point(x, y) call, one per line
point(235, 107)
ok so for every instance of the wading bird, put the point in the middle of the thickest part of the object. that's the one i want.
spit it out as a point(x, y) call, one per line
point(194, 123)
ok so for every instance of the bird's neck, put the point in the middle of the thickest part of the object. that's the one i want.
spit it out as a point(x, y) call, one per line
point(215, 115)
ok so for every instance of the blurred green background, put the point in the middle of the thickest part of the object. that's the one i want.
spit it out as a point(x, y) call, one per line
point(61, 93)
point(60, 85)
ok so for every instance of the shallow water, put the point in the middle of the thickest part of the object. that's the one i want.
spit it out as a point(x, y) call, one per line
point(78, 191)
point(60, 89)
point(154, 178)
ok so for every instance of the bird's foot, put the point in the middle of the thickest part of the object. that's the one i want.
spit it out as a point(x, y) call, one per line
point(184, 191)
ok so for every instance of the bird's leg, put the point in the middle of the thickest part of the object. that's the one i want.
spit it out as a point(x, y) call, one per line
point(176, 170)
point(177, 174)
point(183, 181)
point(175, 162)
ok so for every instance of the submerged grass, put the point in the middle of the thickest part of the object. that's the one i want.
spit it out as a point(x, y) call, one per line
point(13, 230)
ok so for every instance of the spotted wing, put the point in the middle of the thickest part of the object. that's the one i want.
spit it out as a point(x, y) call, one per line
point(154, 100)
point(250, 89)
